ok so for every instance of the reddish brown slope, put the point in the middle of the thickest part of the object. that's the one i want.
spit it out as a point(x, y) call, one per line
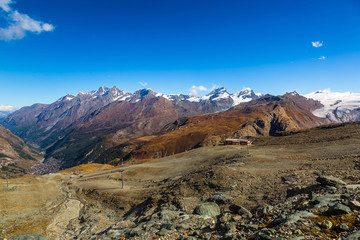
point(267, 116)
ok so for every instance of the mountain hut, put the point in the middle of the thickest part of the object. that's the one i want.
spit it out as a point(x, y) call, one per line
point(232, 141)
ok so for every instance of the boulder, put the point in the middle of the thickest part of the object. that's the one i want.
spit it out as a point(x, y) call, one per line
point(353, 236)
point(293, 218)
point(209, 209)
point(240, 210)
point(342, 227)
point(326, 224)
point(338, 209)
point(326, 200)
point(330, 181)
point(30, 236)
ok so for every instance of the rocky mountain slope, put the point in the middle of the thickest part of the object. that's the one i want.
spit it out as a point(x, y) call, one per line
point(44, 124)
point(338, 107)
point(269, 115)
point(15, 155)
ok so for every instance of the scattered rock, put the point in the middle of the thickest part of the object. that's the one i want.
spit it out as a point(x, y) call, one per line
point(277, 221)
point(252, 227)
point(224, 218)
point(291, 218)
point(262, 211)
point(353, 186)
point(326, 224)
point(125, 224)
point(182, 227)
point(162, 232)
point(219, 198)
point(297, 215)
point(263, 236)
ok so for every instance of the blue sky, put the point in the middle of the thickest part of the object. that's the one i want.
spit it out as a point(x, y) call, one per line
point(51, 48)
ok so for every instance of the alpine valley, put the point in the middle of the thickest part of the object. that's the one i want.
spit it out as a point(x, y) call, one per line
point(108, 164)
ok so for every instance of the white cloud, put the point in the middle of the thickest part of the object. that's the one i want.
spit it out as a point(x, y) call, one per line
point(322, 58)
point(4, 5)
point(317, 44)
point(7, 108)
point(19, 23)
point(194, 90)
point(144, 84)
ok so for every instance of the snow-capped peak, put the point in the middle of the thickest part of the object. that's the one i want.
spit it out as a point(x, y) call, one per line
point(244, 95)
point(68, 97)
point(141, 94)
point(115, 94)
point(216, 94)
point(102, 90)
point(218, 90)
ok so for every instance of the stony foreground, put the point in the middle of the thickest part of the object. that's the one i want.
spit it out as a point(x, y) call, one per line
point(326, 210)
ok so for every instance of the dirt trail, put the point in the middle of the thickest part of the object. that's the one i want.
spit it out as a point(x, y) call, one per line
point(68, 211)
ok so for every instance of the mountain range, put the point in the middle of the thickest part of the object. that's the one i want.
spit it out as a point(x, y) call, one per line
point(109, 123)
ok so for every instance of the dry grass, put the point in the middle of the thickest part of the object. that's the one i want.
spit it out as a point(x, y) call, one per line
point(28, 203)
point(91, 167)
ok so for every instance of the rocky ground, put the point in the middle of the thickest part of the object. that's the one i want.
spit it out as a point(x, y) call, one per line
point(328, 209)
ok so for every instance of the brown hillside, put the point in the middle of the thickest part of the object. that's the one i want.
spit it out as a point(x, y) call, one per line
point(263, 117)
point(15, 156)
